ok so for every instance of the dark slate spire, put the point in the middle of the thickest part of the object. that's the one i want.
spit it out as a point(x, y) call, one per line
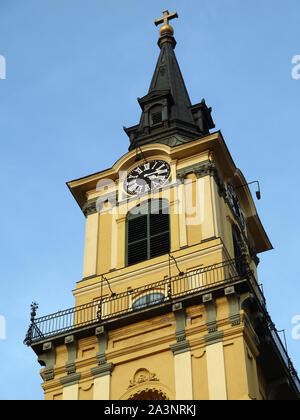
point(167, 113)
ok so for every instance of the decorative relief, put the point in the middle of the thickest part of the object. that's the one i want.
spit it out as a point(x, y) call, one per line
point(142, 376)
point(146, 385)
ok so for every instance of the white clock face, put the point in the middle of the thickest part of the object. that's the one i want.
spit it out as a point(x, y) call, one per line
point(146, 177)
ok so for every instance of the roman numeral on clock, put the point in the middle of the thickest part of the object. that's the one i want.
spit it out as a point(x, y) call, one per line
point(147, 176)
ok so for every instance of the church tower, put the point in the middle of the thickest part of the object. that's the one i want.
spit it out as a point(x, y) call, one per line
point(169, 306)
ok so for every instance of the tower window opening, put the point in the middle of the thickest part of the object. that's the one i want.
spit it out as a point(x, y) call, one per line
point(156, 115)
point(148, 232)
point(156, 118)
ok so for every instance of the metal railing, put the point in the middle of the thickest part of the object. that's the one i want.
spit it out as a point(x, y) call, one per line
point(135, 300)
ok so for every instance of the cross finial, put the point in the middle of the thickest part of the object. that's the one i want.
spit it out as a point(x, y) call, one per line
point(165, 19)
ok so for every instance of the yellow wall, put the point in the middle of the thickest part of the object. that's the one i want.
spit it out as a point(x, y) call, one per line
point(225, 369)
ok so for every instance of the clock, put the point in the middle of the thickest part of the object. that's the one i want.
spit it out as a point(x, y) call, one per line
point(235, 205)
point(146, 177)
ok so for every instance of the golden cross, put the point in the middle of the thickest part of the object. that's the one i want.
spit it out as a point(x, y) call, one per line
point(165, 19)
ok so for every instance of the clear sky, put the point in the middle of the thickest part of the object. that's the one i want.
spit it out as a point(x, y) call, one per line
point(74, 69)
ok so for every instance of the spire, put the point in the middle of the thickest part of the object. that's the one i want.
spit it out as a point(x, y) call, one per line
point(167, 113)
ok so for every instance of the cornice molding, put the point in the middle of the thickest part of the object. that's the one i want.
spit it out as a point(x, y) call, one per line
point(214, 338)
point(104, 369)
point(180, 347)
point(70, 380)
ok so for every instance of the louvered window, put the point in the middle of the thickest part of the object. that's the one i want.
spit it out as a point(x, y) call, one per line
point(156, 115)
point(156, 118)
point(148, 231)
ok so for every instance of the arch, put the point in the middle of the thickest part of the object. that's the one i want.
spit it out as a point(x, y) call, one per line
point(149, 393)
point(146, 386)
point(153, 150)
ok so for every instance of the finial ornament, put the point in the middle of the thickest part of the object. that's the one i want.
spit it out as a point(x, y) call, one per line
point(34, 306)
point(166, 28)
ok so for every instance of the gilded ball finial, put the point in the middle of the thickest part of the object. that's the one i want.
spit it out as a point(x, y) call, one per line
point(166, 30)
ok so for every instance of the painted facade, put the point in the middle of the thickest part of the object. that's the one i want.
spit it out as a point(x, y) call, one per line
point(190, 324)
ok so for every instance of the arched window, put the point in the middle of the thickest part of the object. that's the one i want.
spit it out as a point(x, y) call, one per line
point(148, 300)
point(147, 231)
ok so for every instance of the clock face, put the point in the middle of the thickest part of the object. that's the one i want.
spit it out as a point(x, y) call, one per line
point(234, 201)
point(146, 177)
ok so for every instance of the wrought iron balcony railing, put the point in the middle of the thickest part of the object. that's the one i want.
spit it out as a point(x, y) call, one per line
point(184, 286)
point(134, 300)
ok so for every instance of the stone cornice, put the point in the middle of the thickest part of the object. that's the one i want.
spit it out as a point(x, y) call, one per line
point(104, 369)
point(180, 347)
point(95, 205)
point(214, 337)
point(69, 380)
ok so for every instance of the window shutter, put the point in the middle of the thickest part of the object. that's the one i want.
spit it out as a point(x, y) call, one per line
point(148, 235)
point(137, 252)
point(137, 239)
point(137, 228)
point(159, 234)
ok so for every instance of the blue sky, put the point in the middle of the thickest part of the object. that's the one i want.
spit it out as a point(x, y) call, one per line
point(74, 71)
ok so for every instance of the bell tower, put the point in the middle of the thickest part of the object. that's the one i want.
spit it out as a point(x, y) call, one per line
point(168, 116)
point(169, 306)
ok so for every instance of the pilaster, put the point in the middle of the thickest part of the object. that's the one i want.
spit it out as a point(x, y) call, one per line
point(70, 386)
point(182, 357)
point(91, 245)
point(215, 366)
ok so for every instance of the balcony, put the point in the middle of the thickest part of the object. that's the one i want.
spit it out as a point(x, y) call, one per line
point(156, 299)
point(117, 306)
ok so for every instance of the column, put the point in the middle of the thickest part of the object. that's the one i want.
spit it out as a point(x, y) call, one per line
point(70, 382)
point(102, 375)
point(216, 366)
point(70, 386)
point(216, 207)
point(174, 222)
point(182, 357)
point(181, 212)
point(208, 222)
point(183, 373)
point(121, 239)
point(214, 352)
point(91, 245)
